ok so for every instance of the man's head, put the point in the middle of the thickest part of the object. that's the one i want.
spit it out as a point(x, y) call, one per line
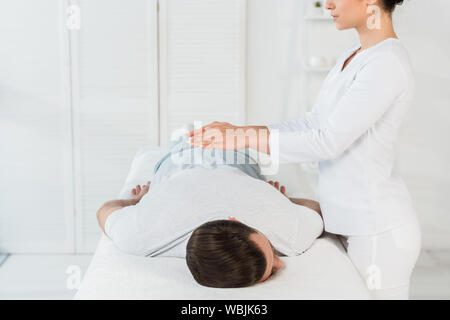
point(230, 254)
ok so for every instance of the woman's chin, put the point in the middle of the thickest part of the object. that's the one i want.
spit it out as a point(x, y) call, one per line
point(340, 26)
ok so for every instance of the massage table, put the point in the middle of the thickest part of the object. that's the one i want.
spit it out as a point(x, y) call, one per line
point(322, 272)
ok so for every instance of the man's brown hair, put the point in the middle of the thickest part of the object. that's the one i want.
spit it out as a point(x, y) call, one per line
point(221, 254)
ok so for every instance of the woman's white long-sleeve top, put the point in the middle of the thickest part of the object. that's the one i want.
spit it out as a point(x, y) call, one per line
point(352, 132)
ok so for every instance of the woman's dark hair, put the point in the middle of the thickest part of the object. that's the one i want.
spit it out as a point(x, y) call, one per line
point(389, 5)
point(221, 254)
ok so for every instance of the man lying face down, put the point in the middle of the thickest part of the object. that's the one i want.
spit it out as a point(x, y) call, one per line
point(230, 254)
point(245, 256)
point(226, 220)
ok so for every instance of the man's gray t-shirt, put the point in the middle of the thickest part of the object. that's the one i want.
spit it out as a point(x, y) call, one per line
point(162, 222)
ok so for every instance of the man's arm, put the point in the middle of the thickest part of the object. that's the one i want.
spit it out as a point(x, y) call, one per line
point(314, 205)
point(311, 204)
point(110, 206)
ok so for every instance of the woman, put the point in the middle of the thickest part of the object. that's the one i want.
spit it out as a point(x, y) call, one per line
point(351, 133)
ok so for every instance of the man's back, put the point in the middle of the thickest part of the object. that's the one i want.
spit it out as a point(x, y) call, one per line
point(162, 222)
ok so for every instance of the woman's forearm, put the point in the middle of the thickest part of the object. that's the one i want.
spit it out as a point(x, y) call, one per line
point(258, 142)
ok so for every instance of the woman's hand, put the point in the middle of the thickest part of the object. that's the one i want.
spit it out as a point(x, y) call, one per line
point(277, 186)
point(218, 135)
point(225, 136)
point(138, 192)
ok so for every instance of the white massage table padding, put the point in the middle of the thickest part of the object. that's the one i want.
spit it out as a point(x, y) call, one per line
point(322, 272)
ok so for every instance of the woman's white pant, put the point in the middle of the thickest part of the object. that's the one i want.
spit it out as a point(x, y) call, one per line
point(386, 260)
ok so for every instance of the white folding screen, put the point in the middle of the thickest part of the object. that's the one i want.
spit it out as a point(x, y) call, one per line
point(76, 105)
point(202, 62)
point(115, 101)
point(36, 176)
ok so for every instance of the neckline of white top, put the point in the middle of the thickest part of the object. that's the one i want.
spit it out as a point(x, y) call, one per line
point(357, 47)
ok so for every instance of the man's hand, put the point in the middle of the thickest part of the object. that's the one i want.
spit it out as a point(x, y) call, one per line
point(109, 207)
point(276, 184)
point(138, 192)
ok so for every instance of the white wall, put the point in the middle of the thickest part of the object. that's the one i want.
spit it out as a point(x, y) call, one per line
point(424, 151)
point(275, 92)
